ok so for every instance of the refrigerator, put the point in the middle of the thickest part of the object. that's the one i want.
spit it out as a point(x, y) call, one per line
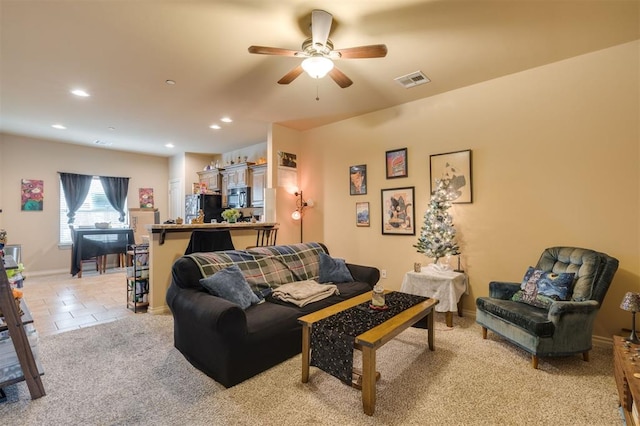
point(139, 218)
point(211, 204)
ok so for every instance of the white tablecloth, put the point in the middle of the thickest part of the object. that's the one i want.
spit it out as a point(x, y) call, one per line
point(447, 286)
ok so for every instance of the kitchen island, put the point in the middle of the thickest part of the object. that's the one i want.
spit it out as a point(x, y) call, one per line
point(168, 242)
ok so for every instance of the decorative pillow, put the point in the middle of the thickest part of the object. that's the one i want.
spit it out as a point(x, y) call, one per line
point(541, 288)
point(333, 270)
point(230, 284)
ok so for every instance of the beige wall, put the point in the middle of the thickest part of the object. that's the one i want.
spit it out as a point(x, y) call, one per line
point(26, 158)
point(555, 162)
point(286, 140)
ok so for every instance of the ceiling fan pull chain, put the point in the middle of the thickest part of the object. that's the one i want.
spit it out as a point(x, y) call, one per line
point(317, 93)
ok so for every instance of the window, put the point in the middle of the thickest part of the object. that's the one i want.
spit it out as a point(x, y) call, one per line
point(96, 208)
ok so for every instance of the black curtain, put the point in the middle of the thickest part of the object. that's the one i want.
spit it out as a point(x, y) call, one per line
point(116, 188)
point(75, 188)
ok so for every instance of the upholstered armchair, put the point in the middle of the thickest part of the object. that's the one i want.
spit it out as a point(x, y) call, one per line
point(550, 323)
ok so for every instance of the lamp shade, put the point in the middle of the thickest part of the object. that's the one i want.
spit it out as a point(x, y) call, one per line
point(631, 302)
point(317, 66)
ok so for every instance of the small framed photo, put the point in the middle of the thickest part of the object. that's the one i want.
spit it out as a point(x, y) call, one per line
point(287, 159)
point(358, 180)
point(362, 214)
point(396, 162)
point(398, 213)
point(455, 166)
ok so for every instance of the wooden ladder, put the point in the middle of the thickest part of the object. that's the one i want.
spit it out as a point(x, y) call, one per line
point(19, 337)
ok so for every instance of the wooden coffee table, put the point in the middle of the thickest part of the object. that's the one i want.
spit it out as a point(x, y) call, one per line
point(369, 341)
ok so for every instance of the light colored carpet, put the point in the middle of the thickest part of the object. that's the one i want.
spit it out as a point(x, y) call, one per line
point(128, 372)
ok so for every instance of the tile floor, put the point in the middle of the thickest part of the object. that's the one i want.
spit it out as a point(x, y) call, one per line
point(61, 303)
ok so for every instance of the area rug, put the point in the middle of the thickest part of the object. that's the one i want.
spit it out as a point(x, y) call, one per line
point(127, 372)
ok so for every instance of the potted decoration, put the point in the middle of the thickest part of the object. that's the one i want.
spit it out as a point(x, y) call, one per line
point(231, 215)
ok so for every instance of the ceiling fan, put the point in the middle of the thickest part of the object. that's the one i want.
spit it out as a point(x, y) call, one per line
point(319, 53)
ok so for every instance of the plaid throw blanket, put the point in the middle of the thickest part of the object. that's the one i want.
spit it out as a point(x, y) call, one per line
point(265, 267)
point(303, 260)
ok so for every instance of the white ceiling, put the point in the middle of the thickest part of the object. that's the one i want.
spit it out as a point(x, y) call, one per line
point(123, 51)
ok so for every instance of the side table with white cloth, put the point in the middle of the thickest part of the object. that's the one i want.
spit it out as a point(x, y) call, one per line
point(434, 281)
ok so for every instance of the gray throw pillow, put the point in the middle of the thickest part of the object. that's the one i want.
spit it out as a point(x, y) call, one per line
point(230, 284)
point(333, 270)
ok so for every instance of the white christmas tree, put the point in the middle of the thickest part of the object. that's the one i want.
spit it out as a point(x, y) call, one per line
point(438, 236)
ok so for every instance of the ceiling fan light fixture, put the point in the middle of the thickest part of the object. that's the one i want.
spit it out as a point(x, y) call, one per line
point(317, 66)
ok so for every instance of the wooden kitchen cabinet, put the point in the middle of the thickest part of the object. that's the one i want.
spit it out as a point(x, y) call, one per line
point(237, 175)
point(258, 184)
point(210, 178)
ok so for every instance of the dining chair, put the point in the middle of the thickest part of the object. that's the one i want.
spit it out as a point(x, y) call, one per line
point(98, 260)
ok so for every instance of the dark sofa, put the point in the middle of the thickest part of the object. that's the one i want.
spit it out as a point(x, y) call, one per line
point(230, 344)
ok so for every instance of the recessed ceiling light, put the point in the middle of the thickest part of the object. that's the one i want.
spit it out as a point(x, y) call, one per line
point(58, 126)
point(80, 92)
point(170, 82)
point(169, 145)
point(226, 120)
point(215, 127)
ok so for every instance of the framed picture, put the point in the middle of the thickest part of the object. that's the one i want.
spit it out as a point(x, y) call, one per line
point(455, 166)
point(146, 198)
point(32, 195)
point(396, 161)
point(358, 180)
point(362, 214)
point(398, 213)
point(287, 159)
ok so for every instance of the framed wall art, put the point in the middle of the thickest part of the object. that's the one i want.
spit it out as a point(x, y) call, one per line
point(358, 180)
point(287, 159)
point(362, 214)
point(455, 166)
point(146, 198)
point(32, 195)
point(398, 213)
point(396, 162)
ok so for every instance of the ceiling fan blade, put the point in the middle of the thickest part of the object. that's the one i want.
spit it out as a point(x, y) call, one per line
point(362, 52)
point(340, 78)
point(320, 27)
point(291, 75)
point(263, 50)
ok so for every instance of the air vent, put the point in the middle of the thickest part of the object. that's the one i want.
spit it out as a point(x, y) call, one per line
point(103, 143)
point(411, 80)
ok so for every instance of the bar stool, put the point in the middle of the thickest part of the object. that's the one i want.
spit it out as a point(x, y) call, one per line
point(266, 237)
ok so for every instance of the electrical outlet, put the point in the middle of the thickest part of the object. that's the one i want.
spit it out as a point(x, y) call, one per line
point(383, 273)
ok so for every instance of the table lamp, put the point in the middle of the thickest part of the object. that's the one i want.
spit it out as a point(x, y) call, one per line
point(631, 302)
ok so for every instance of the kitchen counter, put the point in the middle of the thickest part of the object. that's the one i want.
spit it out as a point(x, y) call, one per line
point(168, 242)
point(162, 229)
